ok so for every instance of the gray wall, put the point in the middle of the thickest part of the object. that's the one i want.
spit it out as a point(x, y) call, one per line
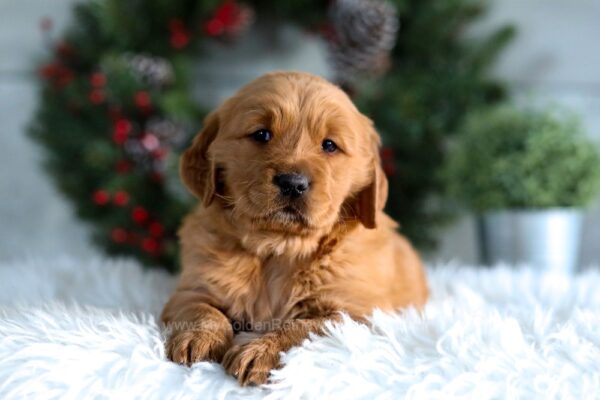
point(33, 218)
point(555, 59)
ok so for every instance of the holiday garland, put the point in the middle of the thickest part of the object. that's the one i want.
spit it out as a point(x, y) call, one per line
point(115, 108)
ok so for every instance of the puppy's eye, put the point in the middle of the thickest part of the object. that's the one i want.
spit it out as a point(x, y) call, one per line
point(262, 135)
point(329, 146)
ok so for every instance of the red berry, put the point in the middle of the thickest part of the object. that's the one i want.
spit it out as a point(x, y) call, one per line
point(122, 126)
point(119, 235)
point(56, 73)
point(156, 229)
point(121, 131)
point(97, 96)
point(121, 198)
point(179, 36)
point(227, 12)
point(142, 100)
point(123, 166)
point(98, 79)
point(65, 77)
point(214, 27)
point(48, 71)
point(150, 245)
point(101, 197)
point(179, 40)
point(139, 215)
point(119, 138)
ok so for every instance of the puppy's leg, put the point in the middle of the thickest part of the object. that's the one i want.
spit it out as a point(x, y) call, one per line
point(252, 362)
point(197, 330)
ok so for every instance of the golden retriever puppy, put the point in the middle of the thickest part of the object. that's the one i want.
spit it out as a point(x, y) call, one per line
point(290, 230)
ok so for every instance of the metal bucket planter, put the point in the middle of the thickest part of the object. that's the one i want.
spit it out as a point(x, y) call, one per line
point(545, 239)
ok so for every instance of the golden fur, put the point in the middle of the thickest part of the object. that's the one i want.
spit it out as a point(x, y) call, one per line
point(250, 266)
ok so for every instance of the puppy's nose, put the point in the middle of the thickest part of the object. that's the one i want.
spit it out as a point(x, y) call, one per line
point(292, 185)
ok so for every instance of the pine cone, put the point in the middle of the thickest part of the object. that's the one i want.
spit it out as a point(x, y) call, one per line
point(155, 71)
point(147, 147)
point(169, 132)
point(364, 33)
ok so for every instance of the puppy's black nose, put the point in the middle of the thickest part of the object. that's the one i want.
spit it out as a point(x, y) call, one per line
point(293, 185)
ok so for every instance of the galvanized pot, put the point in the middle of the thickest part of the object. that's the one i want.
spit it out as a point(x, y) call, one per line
point(545, 239)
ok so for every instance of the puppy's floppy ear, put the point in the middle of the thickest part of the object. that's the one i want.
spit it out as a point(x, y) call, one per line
point(196, 169)
point(371, 199)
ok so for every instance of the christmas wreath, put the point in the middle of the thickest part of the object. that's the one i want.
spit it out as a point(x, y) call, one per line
point(115, 107)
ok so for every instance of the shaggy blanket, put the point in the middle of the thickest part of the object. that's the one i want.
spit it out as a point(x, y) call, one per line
point(71, 329)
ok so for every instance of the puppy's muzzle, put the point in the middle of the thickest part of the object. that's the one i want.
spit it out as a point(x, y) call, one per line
point(292, 185)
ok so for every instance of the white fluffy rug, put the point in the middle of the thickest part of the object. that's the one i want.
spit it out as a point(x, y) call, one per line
point(72, 329)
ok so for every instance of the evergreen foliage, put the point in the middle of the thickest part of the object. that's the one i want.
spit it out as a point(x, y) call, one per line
point(507, 158)
point(438, 76)
point(96, 110)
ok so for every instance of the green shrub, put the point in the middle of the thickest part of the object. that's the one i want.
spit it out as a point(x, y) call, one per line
point(508, 158)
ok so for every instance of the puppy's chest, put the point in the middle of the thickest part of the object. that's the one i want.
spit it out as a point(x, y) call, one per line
point(278, 291)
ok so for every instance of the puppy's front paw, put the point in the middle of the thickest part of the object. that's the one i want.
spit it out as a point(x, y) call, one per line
point(189, 346)
point(251, 363)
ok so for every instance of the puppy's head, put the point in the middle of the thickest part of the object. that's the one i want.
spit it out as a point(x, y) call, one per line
point(290, 153)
